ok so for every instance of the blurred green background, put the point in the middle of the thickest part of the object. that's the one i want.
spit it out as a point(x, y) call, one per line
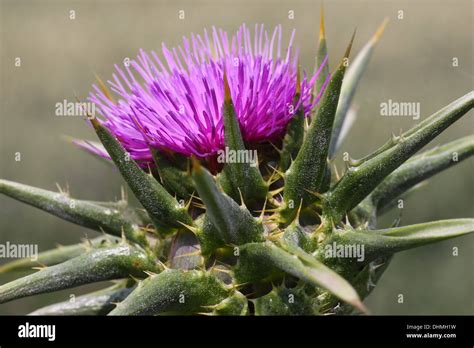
point(413, 62)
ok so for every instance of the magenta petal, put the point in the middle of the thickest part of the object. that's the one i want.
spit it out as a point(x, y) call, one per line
point(179, 107)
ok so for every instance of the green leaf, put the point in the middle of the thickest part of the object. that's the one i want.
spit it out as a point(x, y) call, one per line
point(236, 304)
point(164, 210)
point(242, 178)
point(294, 135)
point(321, 55)
point(173, 178)
point(283, 301)
point(96, 303)
point(382, 209)
point(84, 213)
point(256, 260)
point(385, 242)
point(96, 265)
point(351, 81)
point(234, 223)
point(208, 235)
point(306, 173)
point(295, 235)
point(174, 291)
point(58, 255)
point(420, 168)
point(358, 182)
point(326, 180)
point(364, 282)
point(368, 278)
point(293, 140)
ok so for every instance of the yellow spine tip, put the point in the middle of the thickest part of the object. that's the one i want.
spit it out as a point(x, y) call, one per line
point(298, 80)
point(196, 165)
point(380, 30)
point(104, 88)
point(227, 97)
point(348, 50)
point(94, 122)
point(322, 32)
point(296, 221)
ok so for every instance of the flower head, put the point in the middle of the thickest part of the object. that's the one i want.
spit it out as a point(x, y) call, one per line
point(176, 103)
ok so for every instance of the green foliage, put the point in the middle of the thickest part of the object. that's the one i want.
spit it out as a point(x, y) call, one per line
point(284, 301)
point(93, 266)
point(248, 240)
point(164, 210)
point(306, 173)
point(174, 291)
point(239, 180)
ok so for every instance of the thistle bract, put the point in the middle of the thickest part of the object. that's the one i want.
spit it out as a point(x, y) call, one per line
point(281, 235)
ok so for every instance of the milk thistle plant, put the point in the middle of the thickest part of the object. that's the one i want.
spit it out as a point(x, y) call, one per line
point(223, 232)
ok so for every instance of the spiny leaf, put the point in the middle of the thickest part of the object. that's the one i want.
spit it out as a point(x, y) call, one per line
point(283, 301)
point(295, 235)
point(174, 179)
point(420, 168)
point(237, 304)
point(242, 178)
point(349, 119)
point(58, 255)
point(294, 134)
point(432, 231)
point(174, 291)
point(163, 208)
point(326, 180)
point(410, 176)
point(83, 213)
point(386, 242)
point(394, 202)
point(359, 181)
point(256, 260)
point(96, 265)
point(307, 171)
point(292, 140)
point(95, 303)
point(364, 282)
point(321, 55)
point(367, 279)
point(208, 235)
point(351, 81)
point(462, 103)
point(234, 223)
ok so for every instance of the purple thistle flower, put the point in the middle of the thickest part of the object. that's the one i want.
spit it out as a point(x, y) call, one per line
point(178, 106)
